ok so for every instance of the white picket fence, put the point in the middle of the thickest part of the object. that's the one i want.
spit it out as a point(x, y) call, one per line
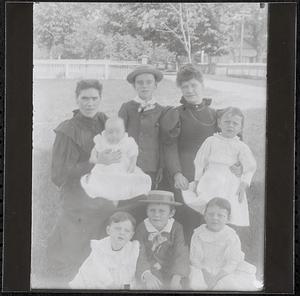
point(106, 69)
point(251, 70)
point(78, 69)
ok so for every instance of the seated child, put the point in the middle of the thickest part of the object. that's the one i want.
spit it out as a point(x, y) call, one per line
point(112, 262)
point(117, 181)
point(217, 261)
point(213, 175)
point(163, 262)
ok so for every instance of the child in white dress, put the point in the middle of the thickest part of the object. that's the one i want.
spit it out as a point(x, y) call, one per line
point(213, 176)
point(117, 181)
point(112, 262)
point(217, 261)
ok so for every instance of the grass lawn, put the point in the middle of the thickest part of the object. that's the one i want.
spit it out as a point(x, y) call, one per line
point(54, 102)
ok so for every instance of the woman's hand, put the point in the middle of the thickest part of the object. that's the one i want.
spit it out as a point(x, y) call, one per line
point(237, 169)
point(108, 157)
point(151, 281)
point(181, 182)
point(158, 177)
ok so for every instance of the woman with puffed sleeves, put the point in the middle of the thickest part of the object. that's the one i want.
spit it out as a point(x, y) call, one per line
point(185, 128)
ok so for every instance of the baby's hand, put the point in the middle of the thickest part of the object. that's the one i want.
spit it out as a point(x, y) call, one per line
point(151, 281)
point(241, 192)
point(175, 282)
point(209, 279)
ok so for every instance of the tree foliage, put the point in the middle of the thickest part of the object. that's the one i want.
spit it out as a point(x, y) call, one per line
point(128, 30)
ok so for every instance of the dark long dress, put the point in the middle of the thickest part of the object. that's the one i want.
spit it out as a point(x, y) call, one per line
point(82, 217)
point(185, 128)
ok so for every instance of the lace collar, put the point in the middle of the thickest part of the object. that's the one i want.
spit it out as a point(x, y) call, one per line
point(210, 236)
point(219, 136)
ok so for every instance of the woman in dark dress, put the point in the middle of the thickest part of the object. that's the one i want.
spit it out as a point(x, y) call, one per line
point(82, 217)
point(185, 129)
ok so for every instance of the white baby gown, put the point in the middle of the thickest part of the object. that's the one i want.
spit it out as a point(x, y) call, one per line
point(106, 268)
point(215, 251)
point(212, 168)
point(113, 181)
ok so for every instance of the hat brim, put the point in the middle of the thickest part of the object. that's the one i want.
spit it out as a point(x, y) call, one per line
point(172, 203)
point(157, 74)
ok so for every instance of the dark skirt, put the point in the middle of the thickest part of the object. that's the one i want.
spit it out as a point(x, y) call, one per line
point(187, 217)
point(81, 220)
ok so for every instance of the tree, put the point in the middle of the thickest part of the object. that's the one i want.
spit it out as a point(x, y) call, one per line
point(51, 25)
point(256, 30)
point(183, 28)
point(126, 47)
point(69, 29)
point(254, 20)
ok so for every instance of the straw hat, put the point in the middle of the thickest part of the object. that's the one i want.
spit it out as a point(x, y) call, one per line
point(142, 70)
point(162, 197)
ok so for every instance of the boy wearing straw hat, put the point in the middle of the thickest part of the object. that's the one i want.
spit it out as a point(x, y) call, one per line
point(164, 261)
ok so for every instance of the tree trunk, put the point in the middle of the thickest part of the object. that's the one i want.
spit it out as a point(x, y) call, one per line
point(190, 56)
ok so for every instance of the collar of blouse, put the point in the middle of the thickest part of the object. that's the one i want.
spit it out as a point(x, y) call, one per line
point(205, 102)
point(90, 122)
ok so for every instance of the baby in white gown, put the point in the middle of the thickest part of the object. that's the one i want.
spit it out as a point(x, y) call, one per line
point(117, 181)
point(213, 176)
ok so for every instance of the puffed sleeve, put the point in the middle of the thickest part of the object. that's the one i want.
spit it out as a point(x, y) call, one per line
point(201, 159)
point(65, 161)
point(124, 114)
point(180, 260)
point(170, 127)
point(233, 254)
point(196, 252)
point(248, 162)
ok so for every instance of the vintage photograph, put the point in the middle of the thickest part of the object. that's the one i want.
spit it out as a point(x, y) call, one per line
point(149, 134)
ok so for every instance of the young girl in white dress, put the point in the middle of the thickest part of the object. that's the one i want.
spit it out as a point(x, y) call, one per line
point(217, 261)
point(112, 262)
point(213, 176)
point(117, 181)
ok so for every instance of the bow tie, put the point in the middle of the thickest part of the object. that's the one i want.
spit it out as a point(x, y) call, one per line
point(157, 239)
point(146, 107)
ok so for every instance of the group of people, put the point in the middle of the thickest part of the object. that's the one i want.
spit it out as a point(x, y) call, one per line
point(179, 173)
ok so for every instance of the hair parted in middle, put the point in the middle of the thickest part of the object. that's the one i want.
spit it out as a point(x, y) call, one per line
point(88, 83)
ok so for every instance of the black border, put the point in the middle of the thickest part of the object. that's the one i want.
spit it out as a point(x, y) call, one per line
point(279, 258)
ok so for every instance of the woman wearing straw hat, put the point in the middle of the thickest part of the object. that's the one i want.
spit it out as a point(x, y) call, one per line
point(142, 116)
